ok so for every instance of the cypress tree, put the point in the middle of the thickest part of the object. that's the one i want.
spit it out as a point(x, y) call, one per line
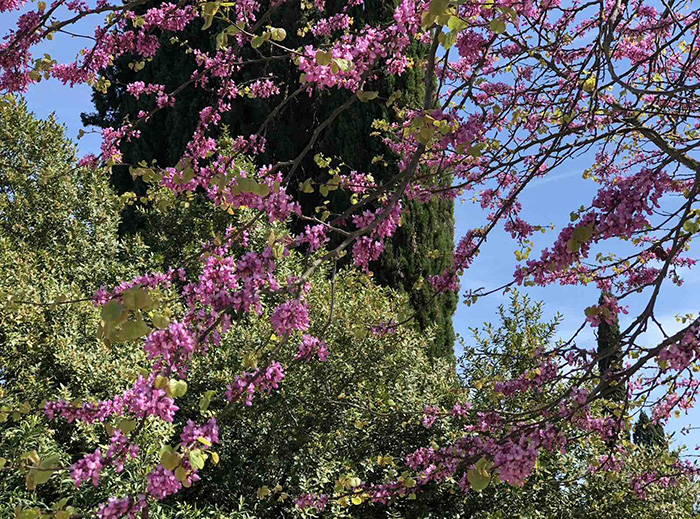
point(648, 434)
point(609, 362)
point(610, 357)
point(422, 246)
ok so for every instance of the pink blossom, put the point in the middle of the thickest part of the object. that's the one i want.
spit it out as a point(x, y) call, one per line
point(312, 347)
point(88, 468)
point(289, 316)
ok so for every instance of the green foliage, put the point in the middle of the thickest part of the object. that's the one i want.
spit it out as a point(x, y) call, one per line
point(563, 488)
point(609, 349)
point(356, 415)
point(504, 351)
point(421, 247)
point(329, 425)
point(609, 361)
point(58, 243)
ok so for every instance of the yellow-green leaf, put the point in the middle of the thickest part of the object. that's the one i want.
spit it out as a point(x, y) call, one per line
point(208, 12)
point(477, 481)
point(205, 400)
point(30, 480)
point(50, 462)
point(366, 96)
point(324, 58)
point(170, 460)
point(160, 321)
point(41, 476)
point(126, 426)
point(589, 84)
point(497, 26)
point(132, 330)
point(257, 41)
point(278, 34)
point(197, 459)
point(111, 311)
point(438, 7)
point(456, 24)
point(177, 388)
point(180, 474)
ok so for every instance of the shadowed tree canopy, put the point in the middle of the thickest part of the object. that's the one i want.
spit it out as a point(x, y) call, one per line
point(421, 247)
point(609, 354)
point(648, 434)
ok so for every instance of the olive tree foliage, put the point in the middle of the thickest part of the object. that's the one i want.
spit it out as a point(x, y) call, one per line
point(58, 242)
point(58, 238)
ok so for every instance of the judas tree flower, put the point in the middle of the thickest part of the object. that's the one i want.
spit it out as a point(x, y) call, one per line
point(88, 468)
point(310, 347)
point(289, 316)
point(162, 483)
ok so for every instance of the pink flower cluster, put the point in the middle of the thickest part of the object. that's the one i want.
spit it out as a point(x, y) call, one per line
point(385, 328)
point(369, 248)
point(171, 349)
point(465, 253)
point(87, 412)
point(326, 26)
point(533, 379)
point(608, 463)
point(641, 483)
point(152, 281)
point(289, 316)
point(192, 432)
point(114, 507)
point(258, 381)
point(120, 447)
point(264, 88)
point(89, 468)
point(139, 88)
point(144, 399)
point(319, 502)
point(10, 5)
point(162, 483)
point(430, 415)
point(459, 410)
point(607, 311)
point(681, 354)
point(315, 236)
point(513, 459)
point(311, 347)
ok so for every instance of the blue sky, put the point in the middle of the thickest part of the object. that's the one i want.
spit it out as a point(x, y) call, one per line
point(546, 201)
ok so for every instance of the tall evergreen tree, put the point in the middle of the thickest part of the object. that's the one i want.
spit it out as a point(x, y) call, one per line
point(609, 362)
point(609, 356)
point(648, 434)
point(422, 246)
